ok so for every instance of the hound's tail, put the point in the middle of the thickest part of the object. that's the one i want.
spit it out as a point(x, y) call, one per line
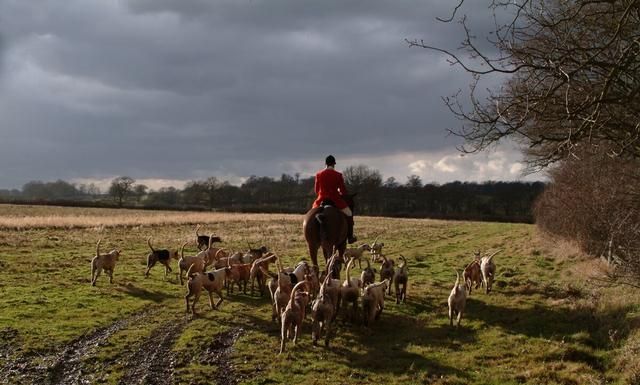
point(279, 272)
point(182, 250)
point(267, 272)
point(189, 271)
point(149, 243)
point(330, 264)
point(219, 254)
point(492, 255)
point(98, 247)
point(294, 290)
point(210, 241)
point(93, 260)
point(349, 265)
point(471, 264)
point(404, 262)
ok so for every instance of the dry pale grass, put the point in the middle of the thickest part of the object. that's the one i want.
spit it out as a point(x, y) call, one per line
point(629, 359)
point(581, 265)
point(69, 218)
point(558, 248)
point(23, 217)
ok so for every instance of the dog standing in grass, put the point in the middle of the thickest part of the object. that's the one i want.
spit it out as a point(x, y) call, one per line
point(294, 314)
point(387, 271)
point(210, 281)
point(472, 275)
point(204, 241)
point(457, 300)
point(106, 262)
point(488, 269)
point(161, 255)
point(400, 280)
point(373, 301)
point(323, 308)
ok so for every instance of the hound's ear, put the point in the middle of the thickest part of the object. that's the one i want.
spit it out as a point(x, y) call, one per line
point(381, 243)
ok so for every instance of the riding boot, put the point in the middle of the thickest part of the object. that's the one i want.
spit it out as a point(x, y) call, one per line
point(350, 237)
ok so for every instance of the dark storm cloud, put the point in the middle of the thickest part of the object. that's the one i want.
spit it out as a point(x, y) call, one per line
point(185, 89)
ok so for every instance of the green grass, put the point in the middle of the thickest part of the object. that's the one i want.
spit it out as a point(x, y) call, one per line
point(541, 325)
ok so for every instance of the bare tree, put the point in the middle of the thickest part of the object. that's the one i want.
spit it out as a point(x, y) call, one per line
point(572, 78)
point(140, 191)
point(120, 188)
point(367, 182)
point(414, 182)
point(361, 177)
point(570, 94)
point(212, 185)
point(93, 190)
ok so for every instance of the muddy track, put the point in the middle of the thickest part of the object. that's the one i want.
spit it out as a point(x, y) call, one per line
point(64, 366)
point(217, 354)
point(68, 369)
point(154, 361)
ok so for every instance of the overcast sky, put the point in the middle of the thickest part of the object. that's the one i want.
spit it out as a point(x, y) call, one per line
point(167, 91)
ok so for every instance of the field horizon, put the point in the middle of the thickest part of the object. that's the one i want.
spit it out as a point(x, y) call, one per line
point(546, 322)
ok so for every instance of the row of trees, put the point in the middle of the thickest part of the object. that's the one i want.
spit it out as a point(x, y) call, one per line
point(506, 201)
point(121, 188)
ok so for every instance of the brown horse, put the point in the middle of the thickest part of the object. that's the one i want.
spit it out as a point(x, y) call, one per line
point(326, 226)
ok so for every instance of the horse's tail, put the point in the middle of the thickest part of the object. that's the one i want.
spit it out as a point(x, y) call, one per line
point(321, 217)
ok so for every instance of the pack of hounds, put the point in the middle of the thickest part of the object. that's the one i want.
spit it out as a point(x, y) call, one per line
point(303, 287)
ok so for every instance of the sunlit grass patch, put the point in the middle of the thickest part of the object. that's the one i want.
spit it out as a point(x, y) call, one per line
point(542, 324)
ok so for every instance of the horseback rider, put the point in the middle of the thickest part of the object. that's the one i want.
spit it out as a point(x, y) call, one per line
point(329, 186)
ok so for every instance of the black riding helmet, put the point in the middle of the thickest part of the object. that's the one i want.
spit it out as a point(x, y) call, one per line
point(330, 161)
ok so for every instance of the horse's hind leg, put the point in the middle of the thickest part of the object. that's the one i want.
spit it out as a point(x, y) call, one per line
point(313, 253)
point(327, 254)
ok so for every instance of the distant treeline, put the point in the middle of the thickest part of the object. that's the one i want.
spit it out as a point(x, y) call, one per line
point(489, 201)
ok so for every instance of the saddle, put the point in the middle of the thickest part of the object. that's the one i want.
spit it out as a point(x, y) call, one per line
point(327, 203)
point(320, 216)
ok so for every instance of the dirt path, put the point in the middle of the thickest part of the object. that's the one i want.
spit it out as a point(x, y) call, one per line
point(217, 354)
point(154, 362)
point(64, 366)
point(68, 369)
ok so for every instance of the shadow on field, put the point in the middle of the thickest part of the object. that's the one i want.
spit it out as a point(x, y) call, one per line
point(553, 322)
point(141, 293)
point(247, 299)
point(386, 347)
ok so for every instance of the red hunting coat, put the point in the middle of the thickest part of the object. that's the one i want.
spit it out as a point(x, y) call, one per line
point(330, 185)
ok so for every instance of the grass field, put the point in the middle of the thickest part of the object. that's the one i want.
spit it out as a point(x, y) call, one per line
point(545, 323)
